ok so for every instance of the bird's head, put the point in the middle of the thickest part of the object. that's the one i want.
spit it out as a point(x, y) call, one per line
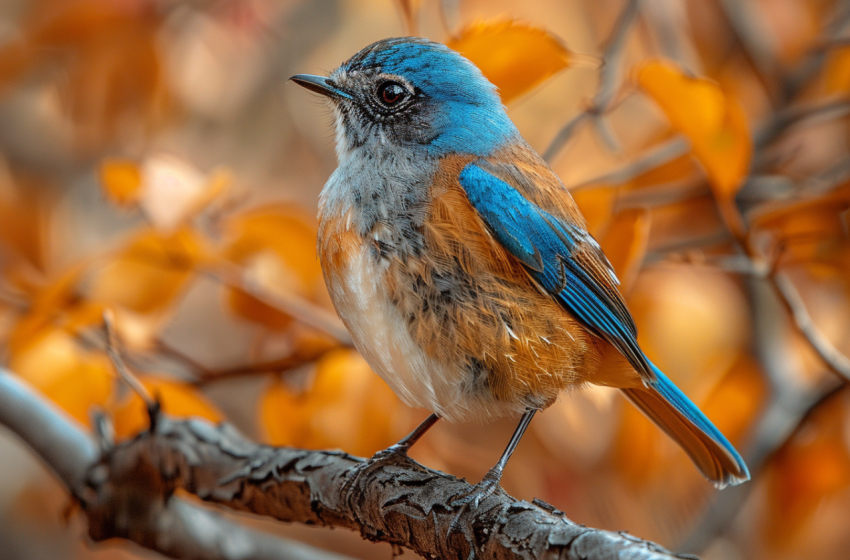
point(413, 94)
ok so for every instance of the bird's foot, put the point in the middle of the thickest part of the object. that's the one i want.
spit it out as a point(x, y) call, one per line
point(398, 450)
point(472, 499)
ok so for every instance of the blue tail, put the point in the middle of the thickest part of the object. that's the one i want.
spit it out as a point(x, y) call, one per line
point(668, 407)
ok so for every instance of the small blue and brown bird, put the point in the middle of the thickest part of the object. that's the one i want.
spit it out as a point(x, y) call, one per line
point(461, 265)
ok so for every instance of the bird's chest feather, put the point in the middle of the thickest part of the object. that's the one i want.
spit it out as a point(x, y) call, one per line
point(434, 305)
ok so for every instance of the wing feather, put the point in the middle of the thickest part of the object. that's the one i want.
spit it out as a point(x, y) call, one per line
point(560, 256)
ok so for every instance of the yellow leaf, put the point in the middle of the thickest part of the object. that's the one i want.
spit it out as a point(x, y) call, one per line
point(277, 246)
point(121, 180)
point(514, 56)
point(625, 244)
point(150, 272)
point(837, 71)
point(348, 407)
point(811, 467)
point(57, 304)
point(75, 379)
point(714, 123)
point(173, 191)
point(177, 399)
point(596, 205)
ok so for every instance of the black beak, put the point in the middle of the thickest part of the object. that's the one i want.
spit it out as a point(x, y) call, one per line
point(319, 84)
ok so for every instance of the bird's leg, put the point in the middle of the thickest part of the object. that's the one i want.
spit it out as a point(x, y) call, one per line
point(490, 482)
point(407, 441)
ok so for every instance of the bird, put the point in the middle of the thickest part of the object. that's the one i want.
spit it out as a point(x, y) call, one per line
point(462, 267)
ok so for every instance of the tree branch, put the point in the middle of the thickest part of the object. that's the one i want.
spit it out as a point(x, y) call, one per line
point(134, 507)
point(128, 493)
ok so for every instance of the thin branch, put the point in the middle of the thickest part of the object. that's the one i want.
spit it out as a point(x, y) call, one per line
point(298, 358)
point(128, 493)
point(607, 89)
point(749, 28)
point(787, 117)
point(302, 310)
point(796, 307)
point(118, 362)
point(652, 158)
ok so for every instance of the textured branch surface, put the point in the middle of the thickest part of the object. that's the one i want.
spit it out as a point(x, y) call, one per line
point(128, 493)
point(395, 500)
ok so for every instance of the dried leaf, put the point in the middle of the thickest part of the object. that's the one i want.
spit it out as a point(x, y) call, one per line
point(347, 407)
point(737, 399)
point(597, 206)
point(109, 57)
point(809, 218)
point(625, 244)
point(57, 304)
point(714, 123)
point(514, 56)
point(812, 466)
point(150, 272)
point(173, 191)
point(837, 71)
point(177, 399)
point(277, 246)
point(73, 378)
point(121, 180)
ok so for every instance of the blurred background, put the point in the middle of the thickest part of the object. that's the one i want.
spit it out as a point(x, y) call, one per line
point(155, 163)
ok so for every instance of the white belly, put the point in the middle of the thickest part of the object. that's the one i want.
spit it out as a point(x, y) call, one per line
point(382, 337)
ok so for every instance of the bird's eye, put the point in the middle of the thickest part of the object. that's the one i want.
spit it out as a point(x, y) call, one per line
point(391, 93)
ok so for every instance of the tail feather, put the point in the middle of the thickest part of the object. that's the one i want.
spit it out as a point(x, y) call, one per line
point(674, 413)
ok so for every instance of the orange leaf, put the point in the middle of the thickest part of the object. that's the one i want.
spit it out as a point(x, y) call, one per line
point(73, 378)
point(173, 191)
point(837, 71)
point(150, 272)
point(348, 407)
point(121, 180)
point(58, 304)
point(812, 466)
point(514, 56)
point(177, 399)
point(714, 122)
point(809, 217)
point(625, 244)
point(596, 205)
point(278, 247)
point(737, 399)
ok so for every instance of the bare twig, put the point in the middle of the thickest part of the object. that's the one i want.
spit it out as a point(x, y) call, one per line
point(785, 118)
point(607, 89)
point(790, 298)
point(652, 158)
point(749, 28)
point(118, 362)
point(302, 310)
point(299, 357)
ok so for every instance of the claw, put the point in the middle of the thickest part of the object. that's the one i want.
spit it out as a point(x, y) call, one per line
point(396, 450)
point(477, 494)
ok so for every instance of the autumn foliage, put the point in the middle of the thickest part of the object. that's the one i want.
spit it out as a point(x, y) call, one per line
point(156, 168)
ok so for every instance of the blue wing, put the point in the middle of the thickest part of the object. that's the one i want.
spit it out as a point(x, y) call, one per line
point(564, 259)
point(567, 262)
